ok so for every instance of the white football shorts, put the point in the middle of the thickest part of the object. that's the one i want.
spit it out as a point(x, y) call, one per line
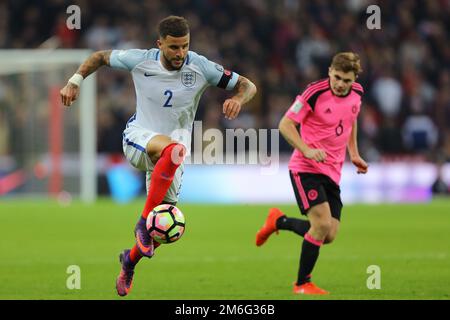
point(135, 140)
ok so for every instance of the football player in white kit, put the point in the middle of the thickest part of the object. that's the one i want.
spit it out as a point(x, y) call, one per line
point(169, 81)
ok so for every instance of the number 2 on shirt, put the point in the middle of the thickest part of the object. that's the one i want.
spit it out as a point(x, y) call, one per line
point(168, 93)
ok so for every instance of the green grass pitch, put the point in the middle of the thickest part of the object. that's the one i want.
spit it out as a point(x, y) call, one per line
point(217, 258)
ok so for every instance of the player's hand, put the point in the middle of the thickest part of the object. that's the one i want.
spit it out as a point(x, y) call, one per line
point(231, 108)
point(318, 155)
point(360, 164)
point(69, 94)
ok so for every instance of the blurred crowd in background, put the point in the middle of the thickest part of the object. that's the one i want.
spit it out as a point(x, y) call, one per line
point(281, 45)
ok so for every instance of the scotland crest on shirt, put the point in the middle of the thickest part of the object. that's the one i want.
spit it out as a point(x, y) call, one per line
point(188, 78)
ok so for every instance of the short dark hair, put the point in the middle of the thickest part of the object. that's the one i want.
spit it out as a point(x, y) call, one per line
point(346, 62)
point(173, 26)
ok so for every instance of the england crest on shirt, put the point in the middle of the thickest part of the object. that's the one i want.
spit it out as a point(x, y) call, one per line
point(188, 78)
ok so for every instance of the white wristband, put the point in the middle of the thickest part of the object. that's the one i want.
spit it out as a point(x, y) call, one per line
point(76, 79)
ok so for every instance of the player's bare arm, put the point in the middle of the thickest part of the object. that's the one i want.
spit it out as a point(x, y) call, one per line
point(245, 92)
point(352, 147)
point(72, 89)
point(95, 61)
point(289, 130)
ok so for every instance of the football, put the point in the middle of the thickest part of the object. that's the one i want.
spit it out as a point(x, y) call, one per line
point(166, 223)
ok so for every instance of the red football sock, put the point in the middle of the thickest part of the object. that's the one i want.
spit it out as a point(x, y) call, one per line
point(135, 256)
point(163, 174)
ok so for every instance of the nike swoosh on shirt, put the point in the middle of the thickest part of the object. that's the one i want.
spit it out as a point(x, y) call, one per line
point(149, 74)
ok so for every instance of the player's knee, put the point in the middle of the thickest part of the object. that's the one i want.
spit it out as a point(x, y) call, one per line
point(176, 152)
point(324, 226)
point(154, 155)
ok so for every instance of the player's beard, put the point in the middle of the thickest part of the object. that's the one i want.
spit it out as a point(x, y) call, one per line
point(170, 64)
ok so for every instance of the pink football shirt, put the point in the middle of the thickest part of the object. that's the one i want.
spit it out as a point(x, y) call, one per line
point(326, 123)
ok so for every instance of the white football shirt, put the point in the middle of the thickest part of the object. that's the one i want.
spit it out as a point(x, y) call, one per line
point(167, 100)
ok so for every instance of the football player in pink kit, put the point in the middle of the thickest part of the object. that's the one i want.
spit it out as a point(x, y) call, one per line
point(326, 112)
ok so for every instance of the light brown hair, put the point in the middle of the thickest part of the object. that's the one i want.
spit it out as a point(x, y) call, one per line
point(346, 62)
